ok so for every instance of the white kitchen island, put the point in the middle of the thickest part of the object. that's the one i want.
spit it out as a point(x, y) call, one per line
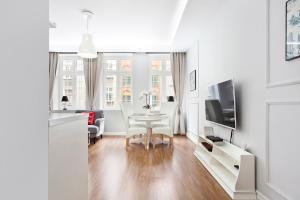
point(68, 156)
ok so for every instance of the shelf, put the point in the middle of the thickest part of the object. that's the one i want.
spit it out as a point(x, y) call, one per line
point(203, 154)
point(226, 163)
point(231, 150)
point(228, 178)
point(220, 163)
point(206, 140)
point(220, 169)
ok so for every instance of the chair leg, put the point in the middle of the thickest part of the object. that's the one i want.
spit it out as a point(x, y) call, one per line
point(127, 142)
point(101, 136)
point(162, 138)
point(94, 140)
point(153, 141)
point(171, 141)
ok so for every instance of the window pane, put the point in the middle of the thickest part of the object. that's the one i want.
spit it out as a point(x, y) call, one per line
point(169, 86)
point(110, 65)
point(117, 80)
point(125, 65)
point(79, 67)
point(156, 82)
point(110, 90)
point(80, 92)
point(156, 65)
point(168, 66)
point(125, 94)
point(125, 88)
point(126, 81)
point(67, 65)
point(71, 82)
point(68, 87)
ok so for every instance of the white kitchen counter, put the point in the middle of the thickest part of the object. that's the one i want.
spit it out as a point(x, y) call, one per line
point(61, 118)
point(68, 156)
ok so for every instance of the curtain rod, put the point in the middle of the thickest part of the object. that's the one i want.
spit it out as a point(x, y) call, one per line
point(114, 52)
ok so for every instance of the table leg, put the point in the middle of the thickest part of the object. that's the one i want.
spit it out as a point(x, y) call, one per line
point(149, 134)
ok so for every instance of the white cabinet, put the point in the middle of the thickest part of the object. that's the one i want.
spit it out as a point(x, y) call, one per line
point(238, 182)
point(68, 157)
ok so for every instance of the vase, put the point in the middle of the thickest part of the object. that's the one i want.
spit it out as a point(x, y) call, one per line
point(148, 111)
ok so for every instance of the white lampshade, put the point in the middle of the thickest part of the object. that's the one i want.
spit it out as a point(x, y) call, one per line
point(87, 48)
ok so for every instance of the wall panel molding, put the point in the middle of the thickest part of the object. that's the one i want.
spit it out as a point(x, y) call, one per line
point(267, 178)
point(261, 196)
point(267, 42)
point(282, 83)
point(273, 84)
point(196, 121)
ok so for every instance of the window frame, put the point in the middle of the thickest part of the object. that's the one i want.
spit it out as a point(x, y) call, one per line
point(118, 73)
point(163, 73)
point(74, 74)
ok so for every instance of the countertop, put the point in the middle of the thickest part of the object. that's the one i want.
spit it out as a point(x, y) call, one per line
point(61, 118)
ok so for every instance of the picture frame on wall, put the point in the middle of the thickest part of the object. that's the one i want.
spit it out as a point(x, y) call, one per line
point(193, 79)
point(292, 31)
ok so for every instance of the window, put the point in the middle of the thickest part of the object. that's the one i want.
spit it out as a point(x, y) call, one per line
point(156, 65)
point(111, 65)
point(118, 80)
point(156, 86)
point(116, 83)
point(161, 79)
point(168, 65)
point(70, 82)
point(110, 89)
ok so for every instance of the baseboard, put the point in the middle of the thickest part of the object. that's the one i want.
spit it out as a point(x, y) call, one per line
point(260, 196)
point(192, 137)
point(115, 133)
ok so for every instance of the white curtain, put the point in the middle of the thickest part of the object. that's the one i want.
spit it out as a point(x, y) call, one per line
point(178, 66)
point(93, 74)
point(53, 62)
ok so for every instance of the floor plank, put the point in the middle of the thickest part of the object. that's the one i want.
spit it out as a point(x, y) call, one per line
point(136, 174)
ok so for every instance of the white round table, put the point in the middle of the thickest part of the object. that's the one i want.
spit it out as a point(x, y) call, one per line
point(148, 119)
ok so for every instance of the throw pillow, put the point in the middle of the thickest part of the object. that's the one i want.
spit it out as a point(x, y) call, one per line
point(91, 120)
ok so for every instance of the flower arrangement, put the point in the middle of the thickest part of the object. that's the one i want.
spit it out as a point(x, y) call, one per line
point(146, 95)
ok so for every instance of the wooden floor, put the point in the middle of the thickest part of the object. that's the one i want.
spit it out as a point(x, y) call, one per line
point(137, 174)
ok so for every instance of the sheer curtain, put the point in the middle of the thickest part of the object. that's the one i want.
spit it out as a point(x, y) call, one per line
point(53, 62)
point(93, 72)
point(178, 67)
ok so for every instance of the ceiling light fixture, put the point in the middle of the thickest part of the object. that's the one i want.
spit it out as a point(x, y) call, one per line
point(87, 48)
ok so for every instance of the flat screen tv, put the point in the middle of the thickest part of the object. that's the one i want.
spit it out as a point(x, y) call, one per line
point(220, 104)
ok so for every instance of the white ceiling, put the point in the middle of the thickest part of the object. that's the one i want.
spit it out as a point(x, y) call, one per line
point(118, 25)
point(194, 21)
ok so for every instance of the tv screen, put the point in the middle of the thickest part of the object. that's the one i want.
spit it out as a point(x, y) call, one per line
point(220, 104)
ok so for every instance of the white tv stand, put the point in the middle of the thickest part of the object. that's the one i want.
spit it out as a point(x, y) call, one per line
point(238, 183)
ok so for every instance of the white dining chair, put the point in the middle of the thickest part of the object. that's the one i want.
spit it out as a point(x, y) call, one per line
point(165, 127)
point(133, 128)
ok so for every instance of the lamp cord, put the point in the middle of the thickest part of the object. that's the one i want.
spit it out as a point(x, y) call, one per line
point(87, 24)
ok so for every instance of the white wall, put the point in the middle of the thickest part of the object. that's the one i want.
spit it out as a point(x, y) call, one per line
point(24, 100)
point(232, 39)
point(192, 97)
point(282, 113)
point(114, 122)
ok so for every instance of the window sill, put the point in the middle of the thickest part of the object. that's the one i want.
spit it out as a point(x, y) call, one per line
point(111, 109)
